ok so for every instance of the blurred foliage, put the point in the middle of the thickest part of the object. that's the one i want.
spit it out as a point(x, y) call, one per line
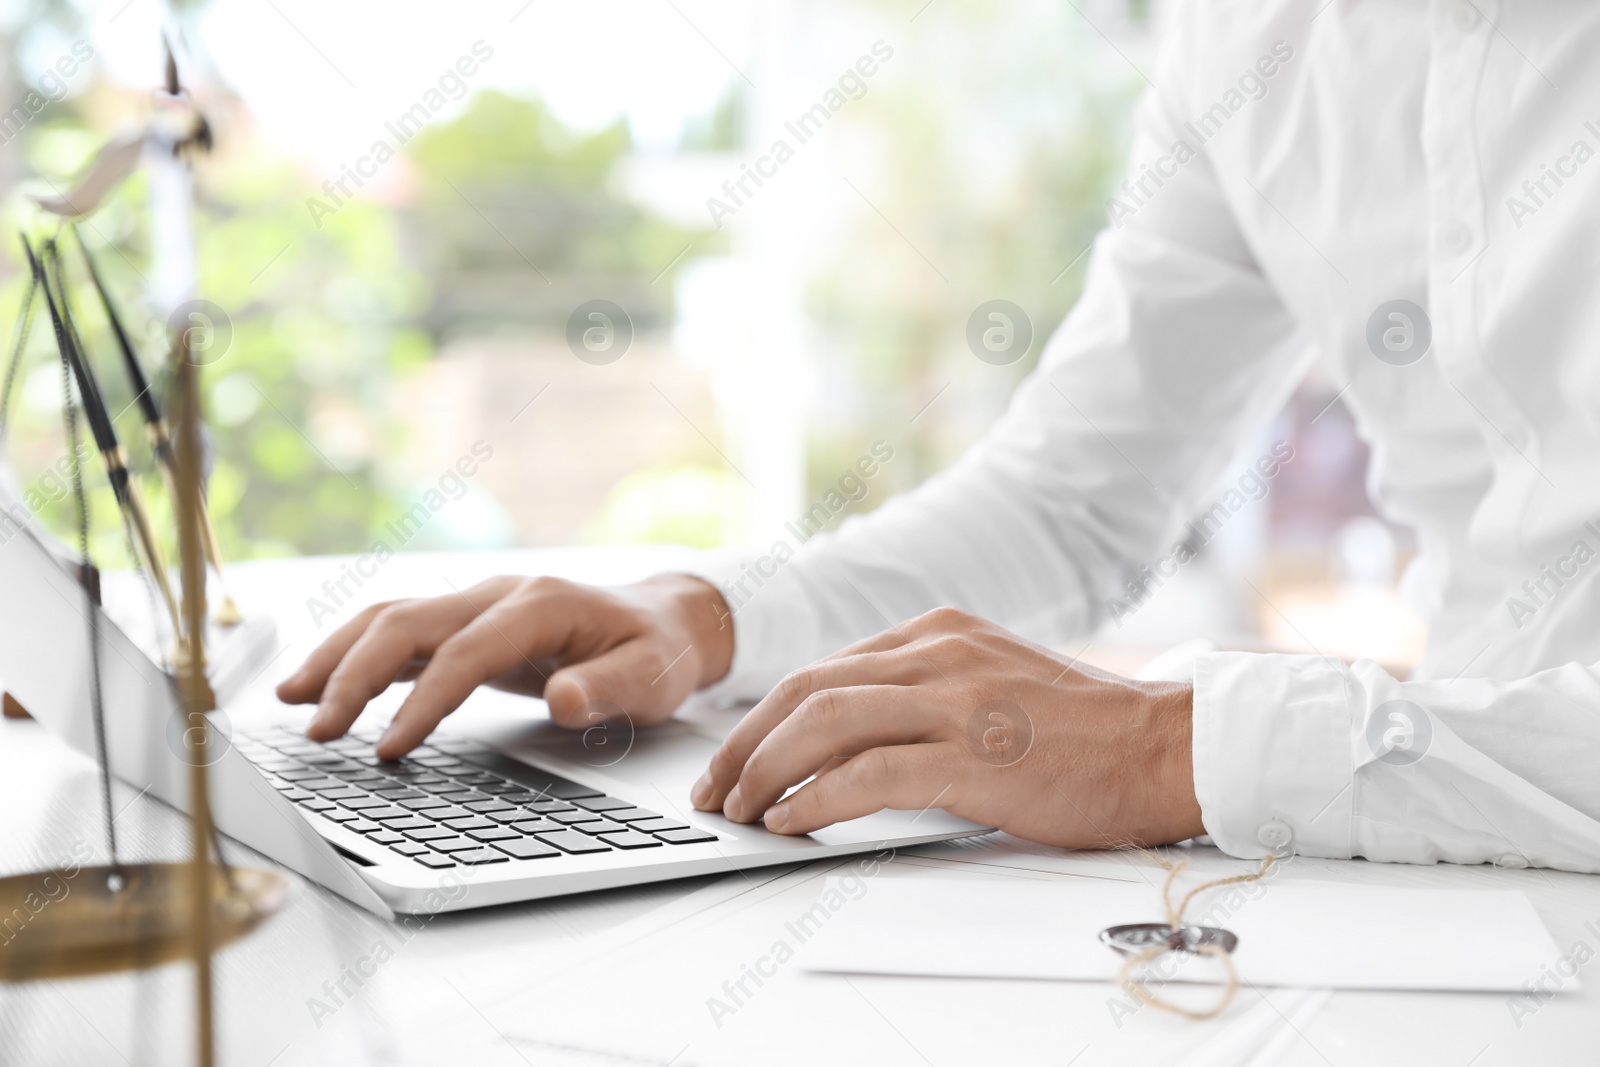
point(326, 318)
point(681, 505)
point(514, 222)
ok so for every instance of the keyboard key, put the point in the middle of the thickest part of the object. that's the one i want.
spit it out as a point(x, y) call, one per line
point(277, 765)
point(655, 826)
point(297, 795)
point(510, 815)
point(686, 836)
point(465, 796)
point(570, 791)
point(365, 803)
point(348, 793)
point(523, 849)
point(431, 859)
point(453, 844)
point(442, 786)
point(424, 803)
point(600, 826)
point(574, 842)
point(631, 814)
point(521, 796)
point(630, 839)
point(397, 794)
point(401, 767)
point(358, 774)
point(409, 823)
point(455, 746)
point(474, 777)
point(448, 812)
point(569, 817)
point(318, 804)
point(429, 833)
point(497, 788)
point(323, 785)
point(362, 826)
point(471, 822)
point(535, 826)
point(546, 807)
point(482, 806)
point(385, 837)
point(497, 833)
point(387, 814)
point(340, 815)
point(409, 848)
point(602, 803)
point(480, 856)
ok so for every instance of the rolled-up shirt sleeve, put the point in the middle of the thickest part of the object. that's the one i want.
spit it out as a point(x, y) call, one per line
point(1306, 754)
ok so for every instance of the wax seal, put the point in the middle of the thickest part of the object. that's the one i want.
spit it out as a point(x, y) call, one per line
point(1133, 939)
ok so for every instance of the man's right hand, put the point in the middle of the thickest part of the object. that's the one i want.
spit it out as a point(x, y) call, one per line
point(643, 647)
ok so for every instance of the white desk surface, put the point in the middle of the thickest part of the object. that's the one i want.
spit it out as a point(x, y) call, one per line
point(624, 977)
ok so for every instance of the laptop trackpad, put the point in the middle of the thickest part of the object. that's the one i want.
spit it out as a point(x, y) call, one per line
point(639, 760)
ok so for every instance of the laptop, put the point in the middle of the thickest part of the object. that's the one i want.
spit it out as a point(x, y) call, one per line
point(459, 823)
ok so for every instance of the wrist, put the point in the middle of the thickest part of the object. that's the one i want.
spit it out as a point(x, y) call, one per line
point(1174, 809)
point(700, 610)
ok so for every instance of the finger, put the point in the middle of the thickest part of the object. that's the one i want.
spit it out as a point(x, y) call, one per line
point(904, 777)
point(305, 684)
point(891, 638)
point(873, 668)
point(832, 724)
point(511, 633)
point(409, 672)
point(399, 636)
point(642, 679)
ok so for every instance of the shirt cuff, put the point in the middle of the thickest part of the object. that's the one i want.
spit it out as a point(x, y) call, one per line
point(1274, 769)
point(775, 627)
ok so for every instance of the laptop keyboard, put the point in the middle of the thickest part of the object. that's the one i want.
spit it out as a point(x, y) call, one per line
point(438, 809)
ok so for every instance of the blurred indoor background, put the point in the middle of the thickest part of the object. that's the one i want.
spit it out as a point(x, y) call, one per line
point(377, 336)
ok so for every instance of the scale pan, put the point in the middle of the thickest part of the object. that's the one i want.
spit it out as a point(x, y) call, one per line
point(59, 925)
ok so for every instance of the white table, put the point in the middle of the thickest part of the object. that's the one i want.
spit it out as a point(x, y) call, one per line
point(623, 977)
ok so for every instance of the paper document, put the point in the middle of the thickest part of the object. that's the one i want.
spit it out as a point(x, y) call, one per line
point(1307, 934)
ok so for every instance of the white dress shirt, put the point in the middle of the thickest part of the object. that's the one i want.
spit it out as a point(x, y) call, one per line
point(1316, 161)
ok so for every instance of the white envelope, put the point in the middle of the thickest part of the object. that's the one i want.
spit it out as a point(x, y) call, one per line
point(1308, 934)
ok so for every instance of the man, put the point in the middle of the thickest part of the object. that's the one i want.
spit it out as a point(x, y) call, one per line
point(1306, 178)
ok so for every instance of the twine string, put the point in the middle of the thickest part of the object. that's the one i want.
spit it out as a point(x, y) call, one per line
point(1175, 942)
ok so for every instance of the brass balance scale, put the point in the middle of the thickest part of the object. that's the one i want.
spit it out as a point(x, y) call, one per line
point(125, 916)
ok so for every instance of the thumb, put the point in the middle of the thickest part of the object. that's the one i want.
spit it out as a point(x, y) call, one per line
point(635, 680)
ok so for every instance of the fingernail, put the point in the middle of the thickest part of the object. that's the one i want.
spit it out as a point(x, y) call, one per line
point(701, 791)
point(777, 818)
point(730, 806)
